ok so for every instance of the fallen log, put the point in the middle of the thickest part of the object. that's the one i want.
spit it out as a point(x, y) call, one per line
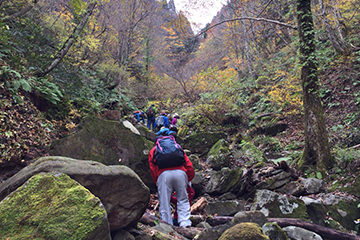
point(199, 205)
point(324, 232)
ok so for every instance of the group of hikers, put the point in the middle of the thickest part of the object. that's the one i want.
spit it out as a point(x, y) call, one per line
point(170, 168)
point(156, 123)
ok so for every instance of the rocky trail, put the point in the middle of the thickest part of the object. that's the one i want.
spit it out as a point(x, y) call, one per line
point(239, 193)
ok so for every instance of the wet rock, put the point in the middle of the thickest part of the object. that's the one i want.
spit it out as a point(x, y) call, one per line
point(297, 233)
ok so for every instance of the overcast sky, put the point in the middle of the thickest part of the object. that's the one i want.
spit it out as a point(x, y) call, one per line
point(199, 12)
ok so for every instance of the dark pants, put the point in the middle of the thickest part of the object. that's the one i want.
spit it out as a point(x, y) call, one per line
point(151, 123)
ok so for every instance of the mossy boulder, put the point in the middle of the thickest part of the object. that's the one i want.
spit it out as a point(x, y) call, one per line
point(110, 143)
point(275, 205)
point(354, 187)
point(218, 156)
point(223, 181)
point(53, 206)
point(225, 208)
point(249, 216)
point(119, 188)
point(202, 142)
point(244, 231)
point(249, 153)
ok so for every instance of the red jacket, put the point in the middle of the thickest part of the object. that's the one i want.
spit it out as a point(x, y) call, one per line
point(155, 171)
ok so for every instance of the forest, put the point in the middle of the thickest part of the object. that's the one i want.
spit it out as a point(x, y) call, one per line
point(265, 86)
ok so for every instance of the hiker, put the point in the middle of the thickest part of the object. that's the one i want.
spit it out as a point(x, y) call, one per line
point(139, 115)
point(161, 121)
point(171, 170)
point(150, 114)
point(174, 120)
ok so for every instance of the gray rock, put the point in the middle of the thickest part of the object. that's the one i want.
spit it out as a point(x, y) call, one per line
point(167, 230)
point(125, 203)
point(249, 216)
point(203, 225)
point(227, 196)
point(275, 205)
point(297, 233)
point(213, 233)
point(313, 185)
point(274, 231)
point(225, 208)
point(202, 142)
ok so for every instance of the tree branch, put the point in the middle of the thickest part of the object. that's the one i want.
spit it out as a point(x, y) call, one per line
point(21, 12)
point(69, 42)
point(246, 18)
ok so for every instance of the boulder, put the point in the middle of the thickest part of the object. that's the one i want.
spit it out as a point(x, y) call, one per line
point(275, 205)
point(110, 143)
point(202, 142)
point(312, 185)
point(225, 208)
point(274, 231)
point(53, 206)
point(218, 156)
point(249, 216)
point(297, 233)
point(214, 232)
point(223, 181)
point(244, 231)
point(125, 203)
point(248, 152)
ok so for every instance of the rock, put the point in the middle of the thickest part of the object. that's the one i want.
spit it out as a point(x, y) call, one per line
point(225, 208)
point(202, 142)
point(53, 206)
point(213, 233)
point(218, 156)
point(297, 233)
point(292, 188)
point(249, 216)
point(110, 143)
point(312, 185)
point(275, 205)
point(244, 231)
point(353, 188)
point(249, 152)
point(165, 231)
point(203, 225)
point(198, 184)
point(123, 235)
point(274, 231)
point(125, 203)
point(196, 161)
point(223, 181)
point(227, 196)
point(130, 126)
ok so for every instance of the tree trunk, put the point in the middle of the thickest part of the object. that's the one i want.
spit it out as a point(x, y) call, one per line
point(70, 41)
point(317, 150)
point(324, 232)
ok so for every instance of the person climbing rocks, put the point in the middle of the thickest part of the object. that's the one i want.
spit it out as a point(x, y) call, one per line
point(161, 121)
point(139, 115)
point(171, 170)
point(175, 118)
point(150, 114)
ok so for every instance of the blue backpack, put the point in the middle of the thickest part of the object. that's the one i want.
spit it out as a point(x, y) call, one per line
point(168, 153)
point(159, 122)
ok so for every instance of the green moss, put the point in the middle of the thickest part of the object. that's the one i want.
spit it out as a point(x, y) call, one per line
point(353, 188)
point(244, 231)
point(50, 206)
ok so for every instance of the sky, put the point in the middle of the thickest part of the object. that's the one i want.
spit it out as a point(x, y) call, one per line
point(199, 12)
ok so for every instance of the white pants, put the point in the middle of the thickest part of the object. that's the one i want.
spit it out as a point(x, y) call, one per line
point(169, 181)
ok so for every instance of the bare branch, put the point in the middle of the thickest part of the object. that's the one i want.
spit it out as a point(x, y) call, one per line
point(247, 18)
